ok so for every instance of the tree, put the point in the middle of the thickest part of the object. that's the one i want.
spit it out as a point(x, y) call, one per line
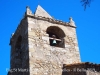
point(86, 3)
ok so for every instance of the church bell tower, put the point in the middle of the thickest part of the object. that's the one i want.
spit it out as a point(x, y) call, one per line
point(42, 44)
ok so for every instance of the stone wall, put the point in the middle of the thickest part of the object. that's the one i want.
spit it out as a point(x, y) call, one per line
point(19, 49)
point(46, 59)
point(88, 72)
point(81, 69)
point(31, 49)
point(34, 51)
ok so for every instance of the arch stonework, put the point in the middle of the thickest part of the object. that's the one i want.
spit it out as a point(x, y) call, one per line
point(37, 54)
point(56, 30)
point(59, 34)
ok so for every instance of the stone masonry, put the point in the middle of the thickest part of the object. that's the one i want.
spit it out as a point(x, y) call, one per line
point(86, 68)
point(46, 59)
point(31, 49)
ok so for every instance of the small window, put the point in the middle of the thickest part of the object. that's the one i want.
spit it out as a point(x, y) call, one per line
point(18, 51)
point(18, 43)
point(56, 36)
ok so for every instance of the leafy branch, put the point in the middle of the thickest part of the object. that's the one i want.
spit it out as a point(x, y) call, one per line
point(86, 3)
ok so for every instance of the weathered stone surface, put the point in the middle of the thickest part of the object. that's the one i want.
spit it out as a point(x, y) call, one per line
point(52, 58)
point(41, 12)
point(35, 51)
point(81, 69)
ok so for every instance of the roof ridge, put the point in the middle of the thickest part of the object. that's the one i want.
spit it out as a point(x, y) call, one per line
point(41, 12)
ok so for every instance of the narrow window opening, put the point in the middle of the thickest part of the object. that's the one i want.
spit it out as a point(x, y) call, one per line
point(18, 43)
point(18, 51)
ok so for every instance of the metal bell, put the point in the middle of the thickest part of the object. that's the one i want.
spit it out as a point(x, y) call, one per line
point(54, 42)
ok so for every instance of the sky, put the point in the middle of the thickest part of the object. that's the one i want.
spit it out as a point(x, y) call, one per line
point(87, 22)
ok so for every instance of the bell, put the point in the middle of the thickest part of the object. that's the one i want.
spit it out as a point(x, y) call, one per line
point(54, 42)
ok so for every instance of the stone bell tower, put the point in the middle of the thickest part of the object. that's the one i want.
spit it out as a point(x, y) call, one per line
point(42, 44)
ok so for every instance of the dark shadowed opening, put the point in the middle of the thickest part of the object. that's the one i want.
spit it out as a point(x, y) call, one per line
point(18, 42)
point(56, 35)
point(18, 52)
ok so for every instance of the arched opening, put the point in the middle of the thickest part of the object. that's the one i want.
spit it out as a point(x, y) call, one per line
point(18, 52)
point(18, 42)
point(56, 36)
